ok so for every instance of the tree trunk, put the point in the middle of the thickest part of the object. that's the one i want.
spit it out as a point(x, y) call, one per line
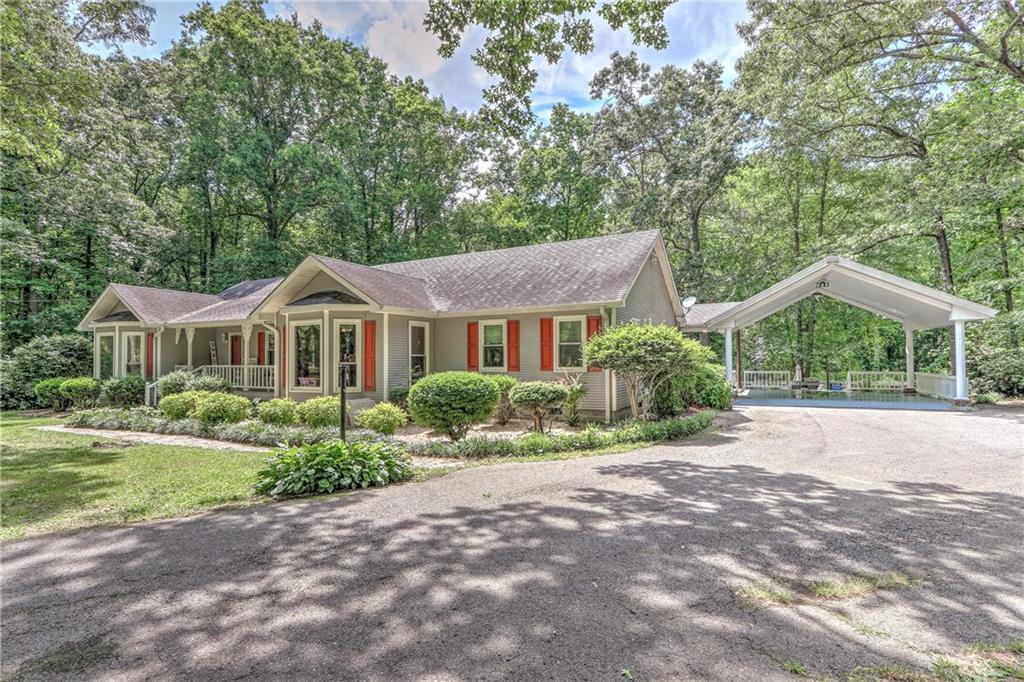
point(942, 240)
point(1004, 258)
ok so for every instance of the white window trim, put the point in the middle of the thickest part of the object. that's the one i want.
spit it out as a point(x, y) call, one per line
point(96, 354)
point(142, 352)
point(504, 345)
point(293, 333)
point(337, 354)
point(582, 319)
point(426, 347)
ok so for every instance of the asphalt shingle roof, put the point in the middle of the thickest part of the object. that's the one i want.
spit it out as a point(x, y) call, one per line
point(700, 313)
point(579, 272)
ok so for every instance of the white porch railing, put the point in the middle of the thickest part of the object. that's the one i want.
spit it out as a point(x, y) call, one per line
point(245, 377)
point(767, 378)
point(876, 381)
point(938, 385)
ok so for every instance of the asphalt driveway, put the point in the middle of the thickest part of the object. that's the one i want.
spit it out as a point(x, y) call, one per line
point(579, 569)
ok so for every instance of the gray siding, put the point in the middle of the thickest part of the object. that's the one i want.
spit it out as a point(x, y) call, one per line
point(450, 354)
point(398, 354)
point(650, 300)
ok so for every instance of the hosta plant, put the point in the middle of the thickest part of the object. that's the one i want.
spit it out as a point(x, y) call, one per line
point(332, 466)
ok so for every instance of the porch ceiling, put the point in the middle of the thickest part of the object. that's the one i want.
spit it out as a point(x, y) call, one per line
point(913, 305)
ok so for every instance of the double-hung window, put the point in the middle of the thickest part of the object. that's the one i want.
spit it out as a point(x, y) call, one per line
point(104, 356)
point(493, 346)
point(419, 350)
point(306, 356)
point(134, 353)
point(569, 336)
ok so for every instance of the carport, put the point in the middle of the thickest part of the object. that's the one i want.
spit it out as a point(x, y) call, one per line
point(913, 305)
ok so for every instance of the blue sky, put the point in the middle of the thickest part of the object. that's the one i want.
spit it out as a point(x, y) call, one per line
point(394, 32)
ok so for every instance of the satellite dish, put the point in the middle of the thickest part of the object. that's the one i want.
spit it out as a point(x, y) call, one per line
point(689, 302)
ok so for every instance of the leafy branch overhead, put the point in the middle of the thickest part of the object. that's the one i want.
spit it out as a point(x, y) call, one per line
point(521, 31)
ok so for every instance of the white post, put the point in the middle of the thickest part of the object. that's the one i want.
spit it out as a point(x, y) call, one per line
point(386, 342)
point(961, 360)
point(190, 334)
point(246, 333)
point(115, 371)
point(909, 349)
point(326, 370)
point(728, 355)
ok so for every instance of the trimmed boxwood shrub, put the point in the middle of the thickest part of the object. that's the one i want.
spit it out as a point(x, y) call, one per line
point(452, 401)
point(217, 408)
point(126, 391)
point(44, 357)
point(179, 405)
point(48, 393)
point(336, 465)
point(82, 391)
point(535, 398)
point(320, 412)
point(210, 384)
point(504, 411)
point(704, 386)
point(279, 411)
point(383, 418)
point(590, 438)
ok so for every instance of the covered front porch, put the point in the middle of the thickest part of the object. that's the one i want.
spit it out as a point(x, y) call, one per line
point(914, 306)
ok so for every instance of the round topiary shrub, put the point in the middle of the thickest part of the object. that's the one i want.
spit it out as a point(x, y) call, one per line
point(535, 398)
point(504, 411)
point(175, 382)
point(179, 405)
point(218, 408)
point(48, 393)
point(704, 386)
point(452, 401)
point(279, 411)
point(209, 384)
point(126, 391)
point(383, 418)
point(82, 391)
point(319, 412)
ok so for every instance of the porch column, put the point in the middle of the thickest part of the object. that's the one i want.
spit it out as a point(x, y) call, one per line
point(961, 360)
point(386, 341)
point(115, 371)
point(739, 358)
point(728, 355)
point(190, 334)
point(246, 333)
point(909, 349)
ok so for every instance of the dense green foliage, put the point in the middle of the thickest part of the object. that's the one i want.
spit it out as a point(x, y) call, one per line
point(453, 401)
point(175, 382)
point(704, 386)
point(536, 398)
point(48, 393)
point(590, 438)
point(218, 408)
point(251, 432)
point(893, 147)
point(209, 384)
point(126, 391)
point(400, 397)
point(279, 411)
point(504, 410)
point(82, 391)
point(644, 357)
point(383, 418)
point(320, 412)
point(575, 389)
point(178, 405)
point(46, 357)
point(332, 466)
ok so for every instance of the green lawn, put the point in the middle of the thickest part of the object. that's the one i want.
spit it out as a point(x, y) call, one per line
point(54, 481)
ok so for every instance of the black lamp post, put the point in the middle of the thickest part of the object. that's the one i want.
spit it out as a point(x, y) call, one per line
point(341, 403)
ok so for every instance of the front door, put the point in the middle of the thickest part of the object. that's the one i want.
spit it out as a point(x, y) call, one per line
point(236, 349)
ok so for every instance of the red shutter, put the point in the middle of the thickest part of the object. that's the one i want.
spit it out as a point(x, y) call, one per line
point(369, 355)
point(593, 327)
point(472, 346)
point(261, 348)
point(513, 345)
point(547, 344)
point(149, 356)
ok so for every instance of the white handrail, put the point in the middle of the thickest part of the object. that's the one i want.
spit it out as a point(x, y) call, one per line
point(876, 381)
point(757, 378)
point(246, 377)
point(152, 393)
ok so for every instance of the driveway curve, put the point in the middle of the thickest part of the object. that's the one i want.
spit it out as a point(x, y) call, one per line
point(577, 569)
